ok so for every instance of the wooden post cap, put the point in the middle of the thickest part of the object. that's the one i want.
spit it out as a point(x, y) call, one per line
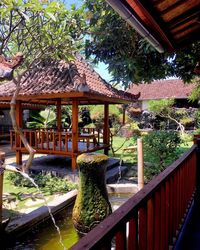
point(91, 158)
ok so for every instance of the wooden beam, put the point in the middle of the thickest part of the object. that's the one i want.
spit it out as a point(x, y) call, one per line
point(183, 16)
point(20, 124)
point(187, 31)
point(184, 21)
point(183, 42)
point(58, 114)
point(70, 96)
point(172, 7)
point(106, 135)
point(74, 132)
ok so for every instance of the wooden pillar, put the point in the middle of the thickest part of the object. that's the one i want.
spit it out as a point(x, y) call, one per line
point(124, 114)
point(106, 135)
point(140, 163)
point(74, 133)
point(2, 158)
point(58, 113)
point(19, 122)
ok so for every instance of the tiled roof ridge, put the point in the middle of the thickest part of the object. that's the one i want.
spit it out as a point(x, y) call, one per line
point(80, 57)
point(119, 92)
point(164, 88)
point(162, 81)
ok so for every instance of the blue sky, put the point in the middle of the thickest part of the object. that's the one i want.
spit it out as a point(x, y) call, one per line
point(101, 68)
point(77, 2)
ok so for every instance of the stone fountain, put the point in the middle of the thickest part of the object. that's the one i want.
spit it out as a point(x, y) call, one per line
point(92, 204)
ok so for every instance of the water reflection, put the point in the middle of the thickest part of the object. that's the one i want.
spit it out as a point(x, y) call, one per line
point(44, 236)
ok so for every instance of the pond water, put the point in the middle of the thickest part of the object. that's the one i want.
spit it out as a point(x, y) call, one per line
point(45, 236)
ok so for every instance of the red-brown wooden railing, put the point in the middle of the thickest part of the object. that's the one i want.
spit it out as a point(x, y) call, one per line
point(151, 219)
point(50, 139)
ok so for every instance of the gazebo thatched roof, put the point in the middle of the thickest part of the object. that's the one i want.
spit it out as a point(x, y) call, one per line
point(48, 80)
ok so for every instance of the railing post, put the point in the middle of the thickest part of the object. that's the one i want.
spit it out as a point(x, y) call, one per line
point(2, 158)
point(197, 194)
point(140, 163)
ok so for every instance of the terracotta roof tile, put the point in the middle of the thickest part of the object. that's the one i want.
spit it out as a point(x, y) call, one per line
point(48, 77)
point(173, 88)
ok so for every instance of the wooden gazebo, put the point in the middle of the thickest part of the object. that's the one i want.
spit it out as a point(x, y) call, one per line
point(60, 83)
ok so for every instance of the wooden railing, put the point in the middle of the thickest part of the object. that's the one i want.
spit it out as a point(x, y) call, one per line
point(50, 139)
point(5, 131)
point(151, 219)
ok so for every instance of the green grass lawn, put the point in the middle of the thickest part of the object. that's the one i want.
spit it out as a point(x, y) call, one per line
point(119, 144)
point(8, 187)
point(130, 157)
point(16, 200)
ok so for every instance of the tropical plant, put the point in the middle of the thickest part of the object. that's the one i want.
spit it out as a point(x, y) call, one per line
point(44, 119)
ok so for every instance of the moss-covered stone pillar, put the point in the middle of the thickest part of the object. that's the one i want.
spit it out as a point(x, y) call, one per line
point(92, 204)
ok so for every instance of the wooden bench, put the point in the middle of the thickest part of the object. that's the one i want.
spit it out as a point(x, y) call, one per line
point(83, 136)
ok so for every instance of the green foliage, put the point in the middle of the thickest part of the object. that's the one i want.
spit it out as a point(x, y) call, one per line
point(39, 29)
point(186, 138)
point(44, 119)
point(128, 56)
point(150, 171)
point(161, 107)
point(47, 183)
point(134, 126)
point(197, 118)
point(195, 95)
point(186, 121)
point(160, 148)
point(164, 108)
point(97, 115)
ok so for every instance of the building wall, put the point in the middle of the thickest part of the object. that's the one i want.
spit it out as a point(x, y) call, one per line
point(145, 105)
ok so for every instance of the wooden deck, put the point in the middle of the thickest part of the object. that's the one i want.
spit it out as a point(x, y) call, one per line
point(63, 149)
point(50, 141)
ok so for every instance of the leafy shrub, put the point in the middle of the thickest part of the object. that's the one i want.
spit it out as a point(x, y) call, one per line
point(160, 148)
point(97, 115)
point(187, 121)
point(197, 118)
point(150, 171)
point(134, 126)
point(181, 112)
point(47, 183)
point(186, 137)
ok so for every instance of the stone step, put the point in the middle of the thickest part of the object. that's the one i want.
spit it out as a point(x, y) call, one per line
point(112, 163)
point(113, 174)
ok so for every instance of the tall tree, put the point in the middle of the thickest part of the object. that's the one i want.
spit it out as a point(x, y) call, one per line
point(38, 29)
point(128, 56)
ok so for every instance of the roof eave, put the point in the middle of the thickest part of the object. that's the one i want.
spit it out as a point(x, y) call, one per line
point(81, 96)
point(132, 13)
